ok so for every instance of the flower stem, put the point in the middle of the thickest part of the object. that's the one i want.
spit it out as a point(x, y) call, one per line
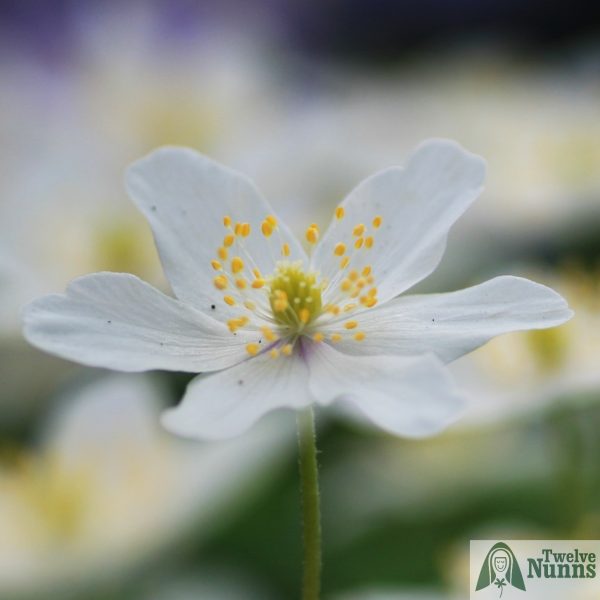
point(311, 511)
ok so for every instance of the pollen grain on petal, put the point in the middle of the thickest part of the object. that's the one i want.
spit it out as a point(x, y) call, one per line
point(228, 240)
point(241, 283)
point(216, 265)
point(339, 212)
point(351, 324)
point(336, 337)
point(287, 350)
point(285, 249)
point(229, 300)
point(227, 221)
point(222, 253)
point(318, 336)
point(377, 221)
point(272, 220)
point(358, 244)
point(369, 242)
point(359, 336)
point(274, 353)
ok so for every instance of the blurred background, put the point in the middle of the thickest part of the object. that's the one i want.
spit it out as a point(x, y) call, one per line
point(306, 97)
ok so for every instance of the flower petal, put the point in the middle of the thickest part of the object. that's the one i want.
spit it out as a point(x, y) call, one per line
point(417, 204)
point(455, 323)
point(117, 321)
point(227, 403)
point(185, 196)
point(411, 397)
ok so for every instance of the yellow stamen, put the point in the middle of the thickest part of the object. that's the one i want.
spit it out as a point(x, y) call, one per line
point(304, 315)
point(366, 271)
point(228, 240)
point(349, 307)
point(369, 242)
point(377, 222)
point(358, 244)
point(285, 249)
point(258, 283)
point(256, 273)
point(339, 249)
point(271, 220)
point(359, 230)
point(245, 232)
point(318, 337)
point(237, 264)
point(227, 221)
point(287, 350)
point(351, 324)
point(250, 305)
point(312, 235)
point(344, 262)
point(222, 252)
point(346, 285)
point(359, 336)
point(220, 282)
point(241, 283)
point(216, 265)
point(268, 333)
point(252, 349)
point(339, 212)
point(274, 353)
point(266, 229)
point(229, 300)
point(353, 275)
point(336, 337)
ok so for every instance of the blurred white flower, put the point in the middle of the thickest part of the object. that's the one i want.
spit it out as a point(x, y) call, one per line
point(68, 134)
point(539, 129)
point(522, 372)
point(107, 489)
point(242, 279)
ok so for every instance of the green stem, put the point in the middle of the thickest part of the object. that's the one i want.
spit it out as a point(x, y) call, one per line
point(311, 511)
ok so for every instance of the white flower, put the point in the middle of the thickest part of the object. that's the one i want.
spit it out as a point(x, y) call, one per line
point(105, 489)
point(279, 328)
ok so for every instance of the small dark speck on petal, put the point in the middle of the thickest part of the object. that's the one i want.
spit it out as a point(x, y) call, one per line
point(109, 322)
point(212, 306)
point(240, 382)
point(433, 320)
point(260, 341)
point(153, 208)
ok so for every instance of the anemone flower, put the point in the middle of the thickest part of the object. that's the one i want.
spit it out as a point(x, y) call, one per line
point(269, 326)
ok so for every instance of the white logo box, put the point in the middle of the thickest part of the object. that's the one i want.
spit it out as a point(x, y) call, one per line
point(535, 569)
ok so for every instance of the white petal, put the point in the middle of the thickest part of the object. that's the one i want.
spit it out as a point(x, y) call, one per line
point(227, 403)
point(185, 195)
point(410, 397)
point(117, 321)
point(452, 324)
point(418, 204)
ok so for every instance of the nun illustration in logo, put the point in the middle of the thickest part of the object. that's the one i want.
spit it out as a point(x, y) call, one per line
point(501, 569)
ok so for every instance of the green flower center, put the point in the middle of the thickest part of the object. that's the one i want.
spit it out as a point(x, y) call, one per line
point(295, 296)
